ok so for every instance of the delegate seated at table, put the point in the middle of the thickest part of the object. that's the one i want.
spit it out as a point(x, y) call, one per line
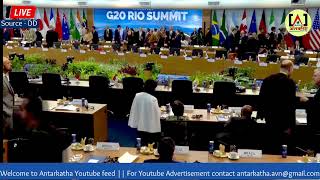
point(178, 110)
point(165, 149)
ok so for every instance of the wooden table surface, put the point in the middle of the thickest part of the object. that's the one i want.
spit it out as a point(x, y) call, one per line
point(172, 65)
point(192, 156)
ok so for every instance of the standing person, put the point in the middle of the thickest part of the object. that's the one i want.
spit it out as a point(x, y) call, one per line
point(176, 44)
point(145, 114)
point(83, 31)
point(107, 35)
point(273, 38)
point(8, 98)
point(39, 36)
point(193, 37)
point(51, 37)
point(243, 43)
point(87, 38)
point(171, 36)
point(117, 36)
point(130, 38)
point(200, 37)
point(252, 44)
point(208, 38)
point(278, 106)
point(231, 41)
point(29, 35)
point(95, 36)
point(140, 37)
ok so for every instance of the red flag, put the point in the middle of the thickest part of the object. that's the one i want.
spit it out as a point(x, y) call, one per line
point(243, 26)
point(288, 40)
point(262, 24)
point(59, 25)
point(306, 41)
point(45, 18)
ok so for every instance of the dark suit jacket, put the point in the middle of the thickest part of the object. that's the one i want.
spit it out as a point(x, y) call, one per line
point(252, 45)
point(177, 41)
point(8, 100)
point(231, 42)
point(158, 161)
point(171, 38)
point(117, 37)
point(95, 39)
point(108, 35)
point(140, 39)
point(208, 39)
point(313, 112)
point(194, 38)
point(39, 36)
point(51, 37)
point(278, 102)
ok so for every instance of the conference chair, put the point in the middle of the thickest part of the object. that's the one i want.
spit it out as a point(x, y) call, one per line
point(223, 93)
point(273, 58)
point(248, 55)
point(220, 53)
point(19, 82)
point(301, 59)
point(38, 44)
point(131, 86)
point(99, 89)
point(57, 45)
point(94, 46)
point(182, 90)
point(52, 87)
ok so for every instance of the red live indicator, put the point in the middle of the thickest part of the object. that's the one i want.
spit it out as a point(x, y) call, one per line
point(22, 12)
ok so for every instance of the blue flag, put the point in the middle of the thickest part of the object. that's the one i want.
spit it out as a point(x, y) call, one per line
point(65, 28)
point(253, 24)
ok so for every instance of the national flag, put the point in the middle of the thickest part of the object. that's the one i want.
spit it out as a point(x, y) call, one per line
point(42, 25)
point(253, 24)
point(52, 22)
point(306, 40)
point(78, 22)
point(283, 19)
point(262, 25)
point(58, 25)
point(84, 19)
point(45, 18)
point(65, 28)
point(223, 31)
point(271, 21)
point(215, 29)
point(315, 33)
point(73, 29)
point(243, 26)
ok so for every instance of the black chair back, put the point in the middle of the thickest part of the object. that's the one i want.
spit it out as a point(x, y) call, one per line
point(99, 88)
point(94, 46)
point(273, 58)
point(132, 85)
point(248, 55)
point(52, 87)
point(301, 59)
point(220, 53)
point(38, 43)
point(57, 45)
point(19, 82)
point(223, 93)
point(182, 90)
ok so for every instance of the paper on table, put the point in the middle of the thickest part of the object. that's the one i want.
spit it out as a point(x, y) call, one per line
point(66, 108)
point(127, 158)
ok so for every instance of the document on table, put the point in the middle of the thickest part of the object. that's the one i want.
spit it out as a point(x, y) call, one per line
point(127, 158)
point(66, 108)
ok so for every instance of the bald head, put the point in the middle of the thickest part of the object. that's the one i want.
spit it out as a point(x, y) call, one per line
point(287, 67)
point(6, 65)
point(316, 77)
point(246, 111)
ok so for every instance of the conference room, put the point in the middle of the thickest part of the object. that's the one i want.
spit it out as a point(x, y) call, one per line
point(147, 81)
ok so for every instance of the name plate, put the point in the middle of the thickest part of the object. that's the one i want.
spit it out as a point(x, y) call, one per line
point(250, 153)
point(63, 50)
point(103, 52)
point(45, 49)
point(163, 57)
point(108, 146)
point(9, 47)
point(120, 54)
point(143, 55)
point(211, 60)
point(263, 64)
point(181, 150)
point(82, 51)
point(188, 58)
point(296, 67)
point(26, 48)
point(237, 62)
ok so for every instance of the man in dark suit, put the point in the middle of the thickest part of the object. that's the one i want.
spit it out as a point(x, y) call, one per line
point(108, 34)
point(171, 37)
point(176, 43)
point(194, 36)
point(208, 37)
point(165, 149)
point(240, 131)
point(51, 37)
point(231, 44)
point(117, 36)
point(313, 105)
point(8, 98)
point(242, 44)
point(273, 38)
point(140, 37)
point(95, 36)
point(278, 105)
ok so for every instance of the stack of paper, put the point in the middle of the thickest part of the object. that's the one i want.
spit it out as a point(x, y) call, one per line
point(127, 158)
point(66, 108)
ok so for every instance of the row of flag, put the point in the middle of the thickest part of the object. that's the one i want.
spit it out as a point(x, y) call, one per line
point(310, 40)
point(64, 28)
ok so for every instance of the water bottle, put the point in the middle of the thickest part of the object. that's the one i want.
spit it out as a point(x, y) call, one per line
point(208, 108)
point(74, 138)
point(211, 147)
point(138, 144)
point(284, 151)
point(298, 85)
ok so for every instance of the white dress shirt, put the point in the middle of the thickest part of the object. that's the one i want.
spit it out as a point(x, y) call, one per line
point(145, 113)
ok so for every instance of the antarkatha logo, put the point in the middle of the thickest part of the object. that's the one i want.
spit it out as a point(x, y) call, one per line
point(298, 22)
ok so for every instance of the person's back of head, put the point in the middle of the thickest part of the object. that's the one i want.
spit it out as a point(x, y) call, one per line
point(31, 112)
point(286, 67)
point(150, 86)
point(177, 108)
point(166, 148)
point(246, 111)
